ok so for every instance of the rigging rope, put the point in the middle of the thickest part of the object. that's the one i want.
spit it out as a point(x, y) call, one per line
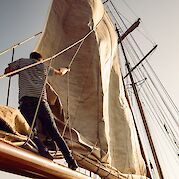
point(38, 105)
point(48, 59)
point(81, 41)
point(13, 49)
point(68, 78)
point(18, 44)
point(162, 100)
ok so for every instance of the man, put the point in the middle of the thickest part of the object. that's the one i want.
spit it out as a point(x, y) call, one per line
point(31, 85)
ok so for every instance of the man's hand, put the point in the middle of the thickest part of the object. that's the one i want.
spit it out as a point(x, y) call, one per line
point(8, 70)
point(62, 71)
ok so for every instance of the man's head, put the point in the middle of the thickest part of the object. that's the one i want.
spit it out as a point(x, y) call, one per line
point(35, 55)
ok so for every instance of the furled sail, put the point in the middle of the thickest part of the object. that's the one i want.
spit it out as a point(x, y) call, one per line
point(92, 94)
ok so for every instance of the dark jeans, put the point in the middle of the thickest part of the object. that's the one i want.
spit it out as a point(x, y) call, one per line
point(28, 107)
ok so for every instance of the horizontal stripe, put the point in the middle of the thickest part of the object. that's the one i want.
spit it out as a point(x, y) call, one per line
point(31, 81)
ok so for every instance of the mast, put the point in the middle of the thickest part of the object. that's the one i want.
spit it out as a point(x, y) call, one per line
point(142, 112)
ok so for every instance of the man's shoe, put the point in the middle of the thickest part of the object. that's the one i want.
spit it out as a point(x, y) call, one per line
point(43, 151)
point(73, 165)
point(46, 154)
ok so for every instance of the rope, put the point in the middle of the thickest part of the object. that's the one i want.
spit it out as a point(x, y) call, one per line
point(38, 105)
point(68, 79)
point(54, 56)
point(68, 91)
point(18, 44)
point(47, 59)
point(81, 41)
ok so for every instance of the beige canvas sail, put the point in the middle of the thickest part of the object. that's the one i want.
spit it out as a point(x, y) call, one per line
point(93, 93)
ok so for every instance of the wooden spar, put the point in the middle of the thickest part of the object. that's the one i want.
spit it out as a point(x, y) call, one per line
point(143, 115)
point(142, 60)
point(14, 159)
point(129, 30)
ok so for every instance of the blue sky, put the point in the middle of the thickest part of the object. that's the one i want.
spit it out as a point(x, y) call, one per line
point(20, 19)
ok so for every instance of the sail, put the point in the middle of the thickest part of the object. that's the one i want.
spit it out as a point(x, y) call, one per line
point(92, 94)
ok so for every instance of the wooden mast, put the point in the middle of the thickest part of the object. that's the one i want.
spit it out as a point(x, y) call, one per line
point(142, 112)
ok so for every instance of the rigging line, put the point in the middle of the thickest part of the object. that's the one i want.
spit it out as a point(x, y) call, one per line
point(155, 100)
point(172, 102)
point(159, 142)
point(144, 67)
point(134, 51)
point(170, 99)
point(142, 76)
point(47, 59)
point(171, 139)
point(151, 94)
point(119, 15)
point(114, 18)
point(163, 100)
point(136, 128)
point(130, 8)
point(68, 77)
point(72, 60)
point(64, 129)
point(133, 54)
point(155, 87)
point(56, 55)
point(18, 44)
point(156, 116)
point(38, 105)
point(163, 123)
point(145, 144)
point(137, 17)
point(75, 54)
point(143, 116)
point(112, 15)
point(160, 109)
point(143, 141)
point(171, 135)
point(9, 83)
point(81, 41)
point(133, 68)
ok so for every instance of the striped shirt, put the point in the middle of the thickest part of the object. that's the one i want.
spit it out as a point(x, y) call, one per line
point(31, 80)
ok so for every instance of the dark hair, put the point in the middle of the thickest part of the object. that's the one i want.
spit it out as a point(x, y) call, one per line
point(35, 55)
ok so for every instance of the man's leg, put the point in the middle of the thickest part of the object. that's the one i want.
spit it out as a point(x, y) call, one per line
point(28, 108)
point(48, 122)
